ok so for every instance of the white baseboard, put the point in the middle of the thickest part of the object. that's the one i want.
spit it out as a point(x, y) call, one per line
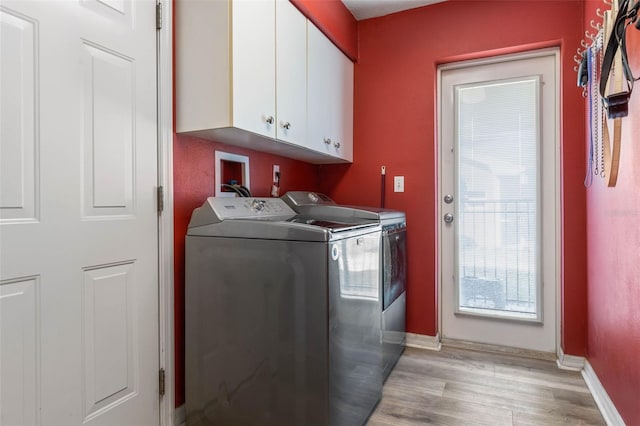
point(570, 362)
point(422, 341)
point(180, 416)
point(607, 409)
point(498, 349)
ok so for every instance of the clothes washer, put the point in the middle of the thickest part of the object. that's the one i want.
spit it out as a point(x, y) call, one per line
point(393, 267)
point(282, 314)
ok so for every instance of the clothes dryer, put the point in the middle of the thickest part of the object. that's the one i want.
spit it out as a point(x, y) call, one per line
point(393, 267)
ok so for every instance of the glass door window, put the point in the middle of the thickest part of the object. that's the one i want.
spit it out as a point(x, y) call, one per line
point(497, 179)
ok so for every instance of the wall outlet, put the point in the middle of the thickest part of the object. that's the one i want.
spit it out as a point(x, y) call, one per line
point(276, 169)
point(398, 184)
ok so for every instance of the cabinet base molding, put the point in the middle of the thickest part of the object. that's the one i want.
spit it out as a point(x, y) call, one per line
point(248, 140)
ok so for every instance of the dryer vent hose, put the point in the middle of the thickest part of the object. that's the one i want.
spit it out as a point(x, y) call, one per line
point(242, 191)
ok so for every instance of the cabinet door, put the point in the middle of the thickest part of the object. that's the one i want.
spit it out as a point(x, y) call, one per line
point(254, 67)
point(342, 97)
point(291, 73)
point(330, 97)
point(319, 80)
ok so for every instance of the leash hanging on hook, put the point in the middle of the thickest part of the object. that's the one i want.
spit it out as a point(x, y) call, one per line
point(617, 104)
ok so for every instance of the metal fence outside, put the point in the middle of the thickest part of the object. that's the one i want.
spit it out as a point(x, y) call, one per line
point(497, 248)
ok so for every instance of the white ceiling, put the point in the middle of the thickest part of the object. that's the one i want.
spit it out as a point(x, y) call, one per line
point(364, 9)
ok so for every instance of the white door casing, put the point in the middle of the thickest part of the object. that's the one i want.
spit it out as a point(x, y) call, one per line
point(533, 335)
point(78, 220)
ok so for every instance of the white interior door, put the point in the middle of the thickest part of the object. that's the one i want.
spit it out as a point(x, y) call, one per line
point(78, 222)
point(498, 201)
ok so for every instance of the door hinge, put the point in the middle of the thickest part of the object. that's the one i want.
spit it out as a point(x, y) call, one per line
point(161, 381)
point(159, 16)
point(160, 199)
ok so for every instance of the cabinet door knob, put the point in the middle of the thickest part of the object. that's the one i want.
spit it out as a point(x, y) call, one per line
point(327, 141)
point(269, 119)
point(337, 144)
point(287, 125)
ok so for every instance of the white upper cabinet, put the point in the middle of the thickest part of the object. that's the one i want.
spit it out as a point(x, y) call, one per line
point(330, 97)
point(226, 66)
point(342, 118)
point(291, 75)
point(319, 87)
point(244, 77)
point(254, 66)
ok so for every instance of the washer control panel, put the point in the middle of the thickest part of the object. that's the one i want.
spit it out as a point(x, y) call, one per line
point(250, 208)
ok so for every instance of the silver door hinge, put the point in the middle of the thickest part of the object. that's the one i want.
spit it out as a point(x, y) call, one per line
point(159, 16)
point(160, 199)
point(161, 381)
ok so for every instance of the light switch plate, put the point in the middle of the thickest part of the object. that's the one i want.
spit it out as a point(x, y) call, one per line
point(398, 184)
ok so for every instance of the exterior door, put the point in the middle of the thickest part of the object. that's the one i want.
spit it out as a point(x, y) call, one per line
point(78, 221)
point(498, 201)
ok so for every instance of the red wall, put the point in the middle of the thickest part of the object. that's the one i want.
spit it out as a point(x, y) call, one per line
point(335, 20)
point(613, 247)
point(193, 182)
point(395, 97)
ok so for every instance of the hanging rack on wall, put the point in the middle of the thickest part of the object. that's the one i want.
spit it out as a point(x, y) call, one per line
point(602, 67)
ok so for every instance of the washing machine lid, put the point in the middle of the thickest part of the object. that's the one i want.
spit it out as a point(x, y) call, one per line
point(317, 204)
point(270, 218)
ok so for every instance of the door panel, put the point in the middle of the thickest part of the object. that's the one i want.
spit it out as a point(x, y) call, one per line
point(19, 329)
point(109, 138)
point(78, 223)
point(498, 162)
point(110, 347)
point(18, 173)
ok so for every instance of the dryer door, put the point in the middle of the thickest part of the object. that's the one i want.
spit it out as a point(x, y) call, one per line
point(394, 266)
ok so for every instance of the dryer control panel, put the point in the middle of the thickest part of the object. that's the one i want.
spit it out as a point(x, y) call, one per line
point(303, 198)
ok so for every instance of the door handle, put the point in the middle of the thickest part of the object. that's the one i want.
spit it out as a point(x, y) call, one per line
point(448, 218)
point(448, 198)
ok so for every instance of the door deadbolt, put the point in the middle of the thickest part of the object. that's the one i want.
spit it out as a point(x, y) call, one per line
point(448, 218)
point(448, 198)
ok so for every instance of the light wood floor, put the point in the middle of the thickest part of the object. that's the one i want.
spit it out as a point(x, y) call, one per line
point(464, 387)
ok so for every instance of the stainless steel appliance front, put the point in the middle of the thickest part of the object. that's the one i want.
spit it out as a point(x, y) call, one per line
point(393, 268)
